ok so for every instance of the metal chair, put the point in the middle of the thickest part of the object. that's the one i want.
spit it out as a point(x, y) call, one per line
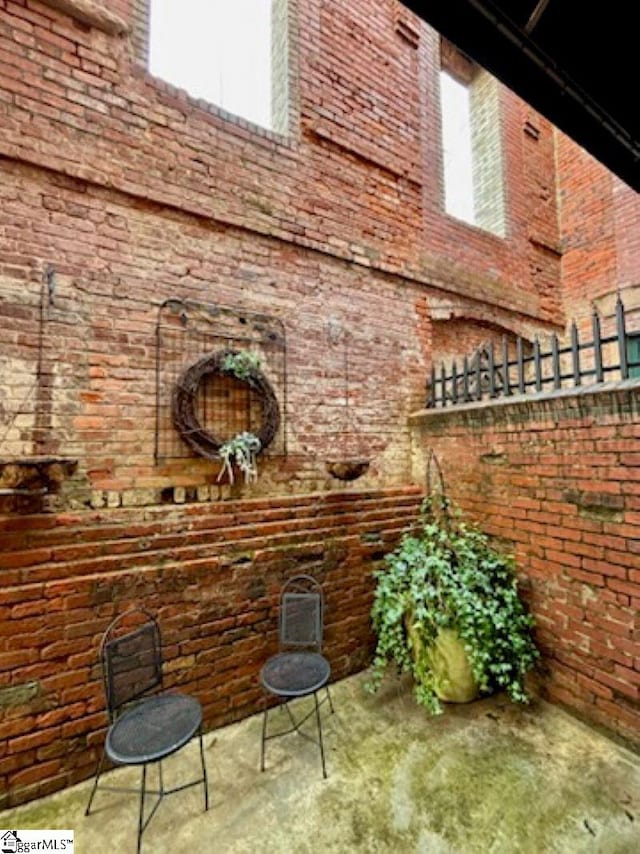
point(299, 669)
point(145, 724)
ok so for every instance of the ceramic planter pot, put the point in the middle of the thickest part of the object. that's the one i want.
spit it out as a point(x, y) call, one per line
point(447, 659)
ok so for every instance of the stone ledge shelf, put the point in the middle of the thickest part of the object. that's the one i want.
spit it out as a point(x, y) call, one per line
point(620, 396)
point(33, 476)
point(90, 14)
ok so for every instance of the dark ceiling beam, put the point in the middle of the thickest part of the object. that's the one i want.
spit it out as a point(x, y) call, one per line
point(535, 16)
point(485, 33)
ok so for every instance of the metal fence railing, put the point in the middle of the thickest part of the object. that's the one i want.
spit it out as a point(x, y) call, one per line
point(524, 368)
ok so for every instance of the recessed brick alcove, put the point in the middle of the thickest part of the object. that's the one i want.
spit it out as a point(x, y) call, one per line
point(31, 478)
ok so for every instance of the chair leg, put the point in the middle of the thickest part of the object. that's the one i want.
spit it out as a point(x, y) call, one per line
point(141, 816)
point(204, 772)
point(291, 718)
point(330, 700)
point(324, 770)
point(264, 735)
point(95, 783)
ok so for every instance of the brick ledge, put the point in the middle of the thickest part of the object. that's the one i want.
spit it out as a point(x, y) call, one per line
point(573, 399)
point(87, 12)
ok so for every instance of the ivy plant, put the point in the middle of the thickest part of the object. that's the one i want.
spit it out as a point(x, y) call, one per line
point(242, 364)
point(445, 574)
point(242, 451)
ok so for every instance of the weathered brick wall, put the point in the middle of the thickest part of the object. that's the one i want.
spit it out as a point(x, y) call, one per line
point(589, 262)
point(627, 216)
point(211, 574)
point(135, 193)
point(558, 480)
point(359, 176)
point(98, 345)
point(600, 228)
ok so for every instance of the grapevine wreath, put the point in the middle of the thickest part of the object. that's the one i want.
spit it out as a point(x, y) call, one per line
point(183, 403)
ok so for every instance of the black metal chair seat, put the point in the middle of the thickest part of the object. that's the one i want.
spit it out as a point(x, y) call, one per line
point(295, 674)
point(154, 729)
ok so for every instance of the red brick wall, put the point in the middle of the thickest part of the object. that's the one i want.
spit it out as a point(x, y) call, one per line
point(358, 177)
point(135, 193)
point(559, 481)
point(99, 347)
point(600, 228)
point(627, 216)
point(211, 574)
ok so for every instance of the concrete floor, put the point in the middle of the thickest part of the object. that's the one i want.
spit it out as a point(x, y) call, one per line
point(487, 777)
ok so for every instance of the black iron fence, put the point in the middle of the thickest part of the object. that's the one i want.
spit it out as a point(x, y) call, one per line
point(509, 369)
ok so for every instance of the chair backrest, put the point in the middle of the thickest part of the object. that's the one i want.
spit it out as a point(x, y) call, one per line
point(301, 614)
point(131, 656)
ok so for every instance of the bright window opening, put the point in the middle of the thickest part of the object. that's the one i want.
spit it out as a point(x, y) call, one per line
point(472, 151)
point(456, 148)
point(217, 50)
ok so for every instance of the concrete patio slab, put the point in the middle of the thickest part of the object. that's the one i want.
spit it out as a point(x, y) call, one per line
point(487, 777)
